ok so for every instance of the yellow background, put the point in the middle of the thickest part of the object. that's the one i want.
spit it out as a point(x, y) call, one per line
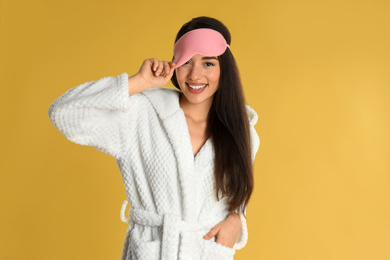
point(317, 73)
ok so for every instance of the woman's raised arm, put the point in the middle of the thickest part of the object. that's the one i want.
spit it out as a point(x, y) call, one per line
point(94, 113)
point(102, 113)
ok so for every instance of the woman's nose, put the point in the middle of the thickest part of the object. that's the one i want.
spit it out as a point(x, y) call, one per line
point(195, 73)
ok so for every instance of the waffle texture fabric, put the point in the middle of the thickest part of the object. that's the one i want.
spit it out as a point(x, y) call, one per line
point(171, 192)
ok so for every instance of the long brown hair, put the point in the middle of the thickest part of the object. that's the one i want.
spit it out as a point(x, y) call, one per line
point(228, 124)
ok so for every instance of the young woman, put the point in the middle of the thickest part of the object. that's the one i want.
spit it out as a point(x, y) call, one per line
point(185, 155)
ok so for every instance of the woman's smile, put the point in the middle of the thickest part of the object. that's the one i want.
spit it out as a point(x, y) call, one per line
point(196, 88)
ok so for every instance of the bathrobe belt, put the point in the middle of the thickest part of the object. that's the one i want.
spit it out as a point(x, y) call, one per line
point(172, 227)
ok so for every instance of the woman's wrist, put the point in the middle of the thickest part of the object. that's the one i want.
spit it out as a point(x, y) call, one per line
point(234, 217)
point(137, 84)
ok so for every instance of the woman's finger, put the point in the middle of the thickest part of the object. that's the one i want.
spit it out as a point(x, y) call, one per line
point(164, 70)
point(212, 232)
point(170, 73)
point(171, 69)
point(155, 63)
point(159, 68)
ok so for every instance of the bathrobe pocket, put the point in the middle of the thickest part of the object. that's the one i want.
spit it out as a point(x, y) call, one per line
point(215, 251)
point(144, 250)
point(144, 244)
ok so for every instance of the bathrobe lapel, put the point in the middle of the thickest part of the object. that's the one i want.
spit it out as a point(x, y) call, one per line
point(166, 103)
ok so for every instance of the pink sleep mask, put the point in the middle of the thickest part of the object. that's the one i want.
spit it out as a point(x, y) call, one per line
point(207, 42)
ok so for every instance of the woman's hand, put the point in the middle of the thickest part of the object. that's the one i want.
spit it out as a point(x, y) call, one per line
point(156, 72)
point(152, 74)
point(226, 231)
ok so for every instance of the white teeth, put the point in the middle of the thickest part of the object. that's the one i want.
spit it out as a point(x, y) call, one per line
point(197, 87)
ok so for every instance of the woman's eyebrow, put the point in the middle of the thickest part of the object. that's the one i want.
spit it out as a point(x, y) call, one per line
point(209, 58)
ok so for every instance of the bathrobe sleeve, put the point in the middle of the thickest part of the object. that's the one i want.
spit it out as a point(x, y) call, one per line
point(255, 143)
point(95, 113)
point(255, 140)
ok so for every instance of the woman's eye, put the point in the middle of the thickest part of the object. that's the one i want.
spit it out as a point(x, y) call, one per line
point(188, 62)
point(208, 64)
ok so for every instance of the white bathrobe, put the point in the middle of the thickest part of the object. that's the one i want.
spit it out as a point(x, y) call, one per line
point(171, 193)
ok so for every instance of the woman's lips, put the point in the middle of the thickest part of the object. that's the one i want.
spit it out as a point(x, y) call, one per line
point(196, 88)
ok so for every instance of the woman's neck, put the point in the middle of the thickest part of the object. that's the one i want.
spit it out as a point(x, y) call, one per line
point(197, 112)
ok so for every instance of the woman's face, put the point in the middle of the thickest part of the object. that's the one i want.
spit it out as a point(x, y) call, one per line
point(198, 78)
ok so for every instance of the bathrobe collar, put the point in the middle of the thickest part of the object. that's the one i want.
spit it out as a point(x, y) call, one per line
point(164, 100)
point(166, 103)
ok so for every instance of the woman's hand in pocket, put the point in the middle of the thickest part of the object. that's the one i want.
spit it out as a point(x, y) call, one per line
point(227, 231)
